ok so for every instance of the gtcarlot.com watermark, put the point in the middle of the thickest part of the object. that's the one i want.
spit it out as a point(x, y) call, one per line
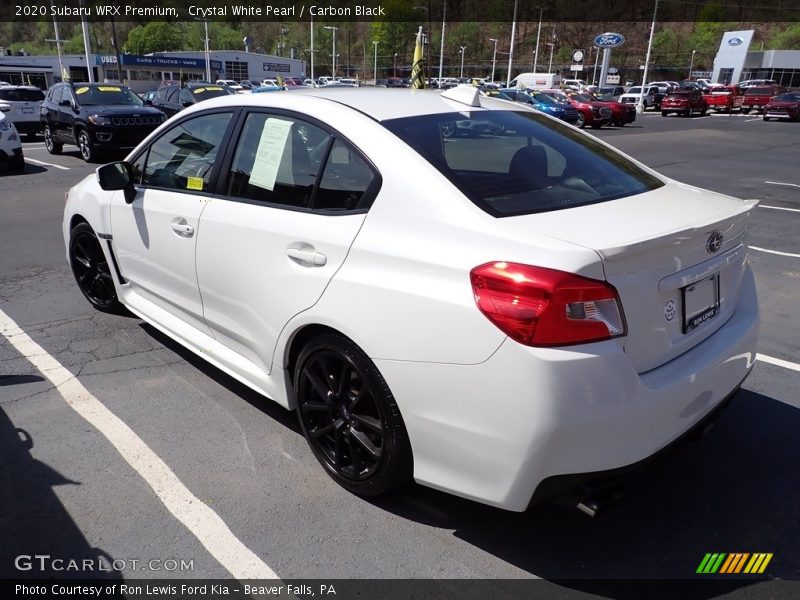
point(48, 563)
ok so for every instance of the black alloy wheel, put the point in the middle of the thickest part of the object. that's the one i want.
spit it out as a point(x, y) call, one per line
point(85, 146)
point(91, 270)
point(349, 417)
point(50, 143)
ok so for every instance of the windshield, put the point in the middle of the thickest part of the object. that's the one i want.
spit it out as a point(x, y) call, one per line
point(542, 98)
point(789, 97)
point(210, 91)
point(515, 163)
point(635, 90)
point(107, 95)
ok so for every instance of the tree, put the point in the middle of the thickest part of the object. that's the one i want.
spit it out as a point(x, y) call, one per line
point(156, 36)
point(786, 39)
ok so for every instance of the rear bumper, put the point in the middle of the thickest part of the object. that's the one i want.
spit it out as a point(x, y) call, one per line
point(494, 432)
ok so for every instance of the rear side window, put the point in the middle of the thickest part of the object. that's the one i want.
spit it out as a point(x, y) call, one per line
point(513, 163)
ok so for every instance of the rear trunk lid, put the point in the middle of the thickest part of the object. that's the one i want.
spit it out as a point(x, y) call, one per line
point(675, 255)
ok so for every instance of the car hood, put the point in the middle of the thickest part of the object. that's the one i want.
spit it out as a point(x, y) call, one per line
point(116, 111)
point(782, 104)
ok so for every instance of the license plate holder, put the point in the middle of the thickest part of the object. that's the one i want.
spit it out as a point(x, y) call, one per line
point(27, 110)
point(700, 302)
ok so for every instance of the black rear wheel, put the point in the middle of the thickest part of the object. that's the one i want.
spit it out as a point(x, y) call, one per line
point(50, 143)
point(349, 417)
point(91, 270)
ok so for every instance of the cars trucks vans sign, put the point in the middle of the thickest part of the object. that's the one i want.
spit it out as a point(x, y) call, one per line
point(609, 40)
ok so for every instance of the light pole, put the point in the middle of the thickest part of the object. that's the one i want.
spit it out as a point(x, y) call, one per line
point(511, 46)
point(550, 66)
point(640, 103)
point(333, 51)
point(394, 65)
point(691, 65)
point(538, 33)
point(375, 65)
point(494, 56)
point(441, 44)
point(462, 60)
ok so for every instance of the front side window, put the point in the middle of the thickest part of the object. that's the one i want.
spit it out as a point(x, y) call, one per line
point(512, 163)
point(182, 158)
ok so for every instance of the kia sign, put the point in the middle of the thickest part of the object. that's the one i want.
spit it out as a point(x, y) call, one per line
point(609, 40)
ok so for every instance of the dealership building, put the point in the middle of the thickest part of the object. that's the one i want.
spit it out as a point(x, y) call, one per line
point(146, 72)
point(734, 62)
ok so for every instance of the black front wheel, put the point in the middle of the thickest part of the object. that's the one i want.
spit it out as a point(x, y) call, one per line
point(86, 146)
point(91, 271)
point(581, 122)
point(350, 418)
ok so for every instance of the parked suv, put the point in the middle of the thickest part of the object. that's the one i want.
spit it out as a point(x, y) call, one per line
point(97, 117)
point(684, 102)
point(173, 98)
point(10, 148)
point(24, 101)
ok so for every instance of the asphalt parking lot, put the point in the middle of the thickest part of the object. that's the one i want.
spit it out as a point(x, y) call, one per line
point(69, 493)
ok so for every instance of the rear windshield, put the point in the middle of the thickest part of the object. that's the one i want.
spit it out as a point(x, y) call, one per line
point(515, 163)
point(789, 97)
point(758, 91)
point(21, 95)
point(106, 95)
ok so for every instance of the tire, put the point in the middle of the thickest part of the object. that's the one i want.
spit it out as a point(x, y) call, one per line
point(53, 147)
point(91, 270)
point(86, 147)
point(16, 164)
point(581, 122)
point(350, 418)
point(766, 118)
point(703, 112)
point(664, 113)
point(689, 112)
point(745, 110)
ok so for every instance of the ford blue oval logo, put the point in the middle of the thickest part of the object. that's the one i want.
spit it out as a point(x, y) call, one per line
point(609, 40)
point(735, 41)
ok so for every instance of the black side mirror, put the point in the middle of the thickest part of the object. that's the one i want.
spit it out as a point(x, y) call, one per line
point(187, 103)
point(117, 176)
point(148, 102)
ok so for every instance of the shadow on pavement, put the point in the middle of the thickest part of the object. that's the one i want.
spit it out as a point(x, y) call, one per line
point(736, 490)
point(33, 521)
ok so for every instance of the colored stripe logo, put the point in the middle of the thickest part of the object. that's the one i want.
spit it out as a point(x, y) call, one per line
point(734, 563)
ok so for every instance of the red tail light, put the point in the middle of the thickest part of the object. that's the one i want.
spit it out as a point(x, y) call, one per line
point(543, 307)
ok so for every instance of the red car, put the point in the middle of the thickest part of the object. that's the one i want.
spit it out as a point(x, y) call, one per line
point(756, 98)
point(684, 102)
point(783, 106)
point(725, 99)
point(621, 114)
point(589, 113)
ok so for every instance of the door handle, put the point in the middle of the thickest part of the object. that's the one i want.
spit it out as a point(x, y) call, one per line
point(309, 257)
point(182, 228)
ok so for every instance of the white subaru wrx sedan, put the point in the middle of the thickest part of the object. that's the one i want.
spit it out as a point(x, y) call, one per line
point(493, 315)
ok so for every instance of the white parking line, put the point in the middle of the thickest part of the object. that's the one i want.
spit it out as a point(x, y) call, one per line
point(778, 362)
point(45, 164)
point(197, 517)
point(797, 185)
point(779, 253)
point(780, 208)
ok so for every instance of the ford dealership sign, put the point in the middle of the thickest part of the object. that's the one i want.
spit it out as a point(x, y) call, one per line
point(609, 40)
point(735, 41)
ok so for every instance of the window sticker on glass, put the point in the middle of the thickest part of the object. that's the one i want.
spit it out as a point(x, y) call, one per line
point(194, 183)
point(109, 88)
point(82, 90)
point(270, 151)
